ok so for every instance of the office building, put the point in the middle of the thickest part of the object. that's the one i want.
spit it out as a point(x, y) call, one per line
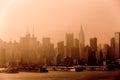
point(117, 45)
point(61, 52)
point(93, 44)
point(69, 44)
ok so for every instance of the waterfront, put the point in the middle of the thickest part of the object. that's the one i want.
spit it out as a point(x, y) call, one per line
point(56, 75)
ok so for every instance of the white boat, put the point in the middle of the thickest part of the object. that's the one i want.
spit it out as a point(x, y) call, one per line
point(71, 69)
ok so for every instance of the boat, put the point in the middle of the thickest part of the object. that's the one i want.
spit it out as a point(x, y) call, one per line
point(43, 69)
point(70, 69)
point(75, 69)
point(78, 69)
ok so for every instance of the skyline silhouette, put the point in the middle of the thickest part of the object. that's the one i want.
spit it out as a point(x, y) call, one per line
point(32, 34)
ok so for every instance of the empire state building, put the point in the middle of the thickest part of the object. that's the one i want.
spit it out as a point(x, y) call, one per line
point(81, 42)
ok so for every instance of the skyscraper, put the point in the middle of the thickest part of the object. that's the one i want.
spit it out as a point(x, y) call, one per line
point(61, 51)
point(2, 57)
point(48, 51)
point(93, 44)
point(46, 41)
point(92, 52)
point(112, 52)
point(81, 42)
point(106, 52)
point(76, 43)
point(117, 45)
point(69, 44)
point(75, 55)
point(29, 49)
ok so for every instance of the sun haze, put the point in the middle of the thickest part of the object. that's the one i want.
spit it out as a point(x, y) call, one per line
point(55, 18)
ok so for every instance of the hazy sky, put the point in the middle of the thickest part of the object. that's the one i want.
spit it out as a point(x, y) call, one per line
point(55, 18)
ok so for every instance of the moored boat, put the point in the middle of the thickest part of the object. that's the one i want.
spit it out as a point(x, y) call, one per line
point(78, 69)
point(70, 69)
point(43, 69)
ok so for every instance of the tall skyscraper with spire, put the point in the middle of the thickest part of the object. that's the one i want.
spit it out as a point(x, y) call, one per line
point(81, 42)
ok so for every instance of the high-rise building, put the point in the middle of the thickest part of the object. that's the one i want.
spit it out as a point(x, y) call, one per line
point(117, 45)
point(48, 51)
point(76, 43)
point(106, 51)
point(75, 55)
point(29, 49)
point(69, 44)
point(45, 49)
point(85, 55)
point(61, 51)
point(93, 44)
point(46, 41)
point(112, 48)
point(92, 58)
point(92, 52)
point(98, 53)
point(2, 54)
point(2, 57)
point(81, 42)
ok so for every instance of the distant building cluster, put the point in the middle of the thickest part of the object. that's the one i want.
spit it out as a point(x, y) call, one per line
point(30, 52)
point(76, 52)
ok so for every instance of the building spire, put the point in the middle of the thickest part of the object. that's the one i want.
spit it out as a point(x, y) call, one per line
point(81, 42)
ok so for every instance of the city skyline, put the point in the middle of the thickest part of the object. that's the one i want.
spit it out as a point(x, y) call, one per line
point(74, 43)
point(56, 18)
point(29, 51)
point(65, 39)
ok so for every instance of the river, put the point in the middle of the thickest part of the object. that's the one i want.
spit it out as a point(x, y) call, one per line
point(55, 75)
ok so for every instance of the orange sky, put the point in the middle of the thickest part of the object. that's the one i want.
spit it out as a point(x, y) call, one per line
point(55, 18)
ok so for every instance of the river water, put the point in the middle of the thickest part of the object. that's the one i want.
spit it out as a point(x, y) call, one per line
point(55, 75)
